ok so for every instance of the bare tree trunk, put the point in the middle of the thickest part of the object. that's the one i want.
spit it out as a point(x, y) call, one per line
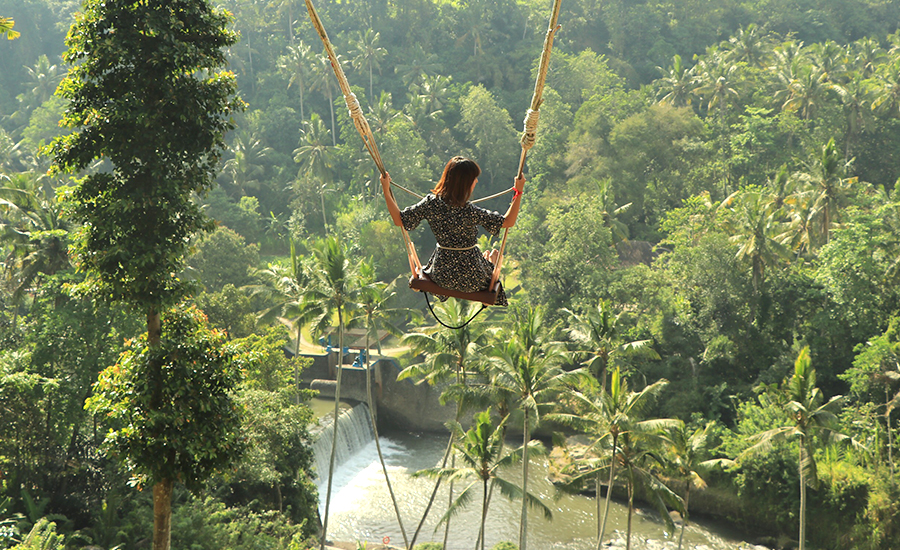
point(484, 508)
point(612, 469)
point(437, 482)
point(630, 513)
point(523, 522)
point(162, 491)
point(296, 367)
point(337, 411)
point(802, 500)
point(333, 127)
point(684, 518)
point(887, 425)
point(162, 515)
point(450, 503)
point(599, 482)
point(378, 443)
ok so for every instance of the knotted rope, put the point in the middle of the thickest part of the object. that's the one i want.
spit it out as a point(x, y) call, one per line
point(362, 126)
point(529, 135)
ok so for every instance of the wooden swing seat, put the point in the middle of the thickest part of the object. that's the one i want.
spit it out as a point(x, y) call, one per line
point(420, 282)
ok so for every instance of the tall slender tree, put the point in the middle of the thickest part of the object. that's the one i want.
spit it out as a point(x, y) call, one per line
point(828, 186)
point(480, 449)
point(812, 419)
point(606, 417)
point(598, 338)
point(368, 55)
point(316, 158)
point(684, 456)
point(148, 94)
point(450, 356)
point(526, 371)
point(755, 228)
point(331, 295)
point(297, 65)
point(676, 84)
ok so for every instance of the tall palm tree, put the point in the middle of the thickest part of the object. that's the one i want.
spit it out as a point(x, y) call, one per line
point(606, 417)
point(717, 79)
point(677, 84)
point(434, 89)
point(640, 459)
point(284, 287)
point(825, 181)
point(807, 91)
point(830, 58)
point(610, 211)
point(450, 355)
point(812, 419)
point(684, 457)
point(324, 81)
point(755, 228)
point(867, 56)
point(381, 113)
point(36, 230)
point(748, 46)
point(42, 80)
point(248, 163)
point(526, 371)
point(368, 55)
point(298, 66)
point(316, 158)
point(480, 451)
point(596, 333)
point(856, 98)
point(285, 8)
point(332, 293)
point(419, 64)
point(416, 110)
point(374, 312)
point(375, 315)
point(887, 91)
point(788, 57)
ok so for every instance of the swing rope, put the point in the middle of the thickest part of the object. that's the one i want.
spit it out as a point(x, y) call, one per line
point(362, 126)
point(528, 139)
point(359, 121)
point(529, 135)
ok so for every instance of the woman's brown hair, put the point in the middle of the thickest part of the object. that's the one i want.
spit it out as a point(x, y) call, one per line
point(455, 185)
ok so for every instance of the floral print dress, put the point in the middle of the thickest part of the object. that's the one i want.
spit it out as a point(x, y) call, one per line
point(457, 262)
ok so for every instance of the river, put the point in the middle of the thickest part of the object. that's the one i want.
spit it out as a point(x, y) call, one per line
point(361, 508)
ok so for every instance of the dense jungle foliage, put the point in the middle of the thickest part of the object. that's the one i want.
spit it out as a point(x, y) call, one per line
point(711, 199)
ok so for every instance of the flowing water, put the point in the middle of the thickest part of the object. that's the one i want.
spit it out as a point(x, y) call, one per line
point(361, 508)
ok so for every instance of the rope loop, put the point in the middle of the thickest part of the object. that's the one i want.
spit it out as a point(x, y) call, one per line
point(531, 123)
point(353, 106)
point(445, 325)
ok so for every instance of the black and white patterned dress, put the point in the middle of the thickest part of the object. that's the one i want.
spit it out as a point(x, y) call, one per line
point(456, 227)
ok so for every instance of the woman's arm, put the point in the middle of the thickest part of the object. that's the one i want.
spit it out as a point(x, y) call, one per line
point(389, 199)
point(509, 219)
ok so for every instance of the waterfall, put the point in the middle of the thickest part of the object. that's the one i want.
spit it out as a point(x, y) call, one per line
point(354, 432)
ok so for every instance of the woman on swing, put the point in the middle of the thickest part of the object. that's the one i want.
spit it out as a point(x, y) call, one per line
point(457, 263)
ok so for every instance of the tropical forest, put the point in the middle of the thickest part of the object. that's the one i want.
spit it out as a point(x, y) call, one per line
point(701, 347)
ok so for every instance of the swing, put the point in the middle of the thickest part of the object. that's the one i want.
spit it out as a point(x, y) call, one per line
point(419, 281)
point(362, 126)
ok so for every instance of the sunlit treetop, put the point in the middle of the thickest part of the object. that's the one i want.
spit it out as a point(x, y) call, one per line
point(148, 94)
